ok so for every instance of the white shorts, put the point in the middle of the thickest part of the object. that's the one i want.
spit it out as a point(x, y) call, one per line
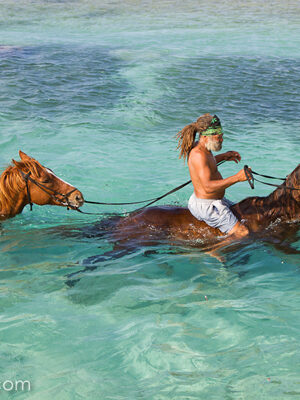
point(216, 213)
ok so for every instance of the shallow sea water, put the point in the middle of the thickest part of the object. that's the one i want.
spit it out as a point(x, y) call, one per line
point(96, 91)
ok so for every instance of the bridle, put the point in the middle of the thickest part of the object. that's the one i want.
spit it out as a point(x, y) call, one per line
point(65, 197)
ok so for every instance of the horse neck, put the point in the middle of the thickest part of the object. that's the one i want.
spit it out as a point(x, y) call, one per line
point(12, 194)
point(264, 210)
point(286, 207)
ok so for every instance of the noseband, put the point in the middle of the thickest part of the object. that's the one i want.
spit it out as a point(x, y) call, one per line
point(45, 189)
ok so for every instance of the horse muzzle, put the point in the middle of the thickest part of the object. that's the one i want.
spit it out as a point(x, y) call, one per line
point(75, 199)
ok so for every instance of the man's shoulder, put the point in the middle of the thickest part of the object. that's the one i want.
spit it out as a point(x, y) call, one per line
point(197, 155)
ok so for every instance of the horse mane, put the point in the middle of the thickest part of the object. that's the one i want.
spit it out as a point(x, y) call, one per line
point(11, 182)
point(281, 203)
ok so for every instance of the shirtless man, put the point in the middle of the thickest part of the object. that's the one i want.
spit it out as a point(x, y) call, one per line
point(208, 203)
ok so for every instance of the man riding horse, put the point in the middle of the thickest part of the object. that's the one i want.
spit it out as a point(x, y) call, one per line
point(208, 203)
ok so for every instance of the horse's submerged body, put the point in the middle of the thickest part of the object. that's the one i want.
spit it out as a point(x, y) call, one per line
point(27, 182)
point(178, 224)
point(272, 219)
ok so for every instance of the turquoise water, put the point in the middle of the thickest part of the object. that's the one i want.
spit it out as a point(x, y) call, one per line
point(97, 91)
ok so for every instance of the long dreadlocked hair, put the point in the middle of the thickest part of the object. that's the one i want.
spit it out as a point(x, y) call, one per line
point(186, 137)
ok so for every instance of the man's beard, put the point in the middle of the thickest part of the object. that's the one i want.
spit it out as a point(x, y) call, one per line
point(212, 145)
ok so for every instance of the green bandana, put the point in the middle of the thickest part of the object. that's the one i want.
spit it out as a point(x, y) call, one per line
point(214, 128)
point(212, 131)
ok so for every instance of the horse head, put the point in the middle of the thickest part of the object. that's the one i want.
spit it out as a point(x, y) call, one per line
point(44, 187)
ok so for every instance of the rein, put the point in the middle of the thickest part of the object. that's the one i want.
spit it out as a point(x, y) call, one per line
point(151, 201)
point(45, 189)
point(250, 178)
point(142, 201)
point(65, 201)
point(248, 172)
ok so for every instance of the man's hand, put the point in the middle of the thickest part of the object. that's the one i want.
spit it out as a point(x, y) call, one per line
point(232, 156)
point(241, 176)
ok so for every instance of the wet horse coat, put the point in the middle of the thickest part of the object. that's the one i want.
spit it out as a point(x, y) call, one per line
point(177, 223)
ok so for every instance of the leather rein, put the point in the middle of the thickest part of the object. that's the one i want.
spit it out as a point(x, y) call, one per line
point(250, 178)
point(65, 197)
point(248, 172)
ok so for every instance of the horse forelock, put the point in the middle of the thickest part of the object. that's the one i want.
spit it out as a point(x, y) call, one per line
point(32, 166)
point(12, 183)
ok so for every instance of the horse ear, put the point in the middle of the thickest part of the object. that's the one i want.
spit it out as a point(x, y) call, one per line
point(23, 156)
point(17, 163)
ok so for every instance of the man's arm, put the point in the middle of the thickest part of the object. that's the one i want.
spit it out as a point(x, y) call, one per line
point(228, 156)
point(212, 186)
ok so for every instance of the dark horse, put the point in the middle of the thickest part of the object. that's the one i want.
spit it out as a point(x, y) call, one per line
point(274, 215)
point(27, 181)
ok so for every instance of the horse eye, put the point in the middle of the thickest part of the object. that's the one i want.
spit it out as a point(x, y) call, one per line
point(46, 180)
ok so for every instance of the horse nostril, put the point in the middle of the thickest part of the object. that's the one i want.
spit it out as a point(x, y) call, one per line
point(78, 198)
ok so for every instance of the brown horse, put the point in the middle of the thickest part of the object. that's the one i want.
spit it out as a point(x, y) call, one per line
point(177, 224)
point(27, 181)
point(274, 218)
